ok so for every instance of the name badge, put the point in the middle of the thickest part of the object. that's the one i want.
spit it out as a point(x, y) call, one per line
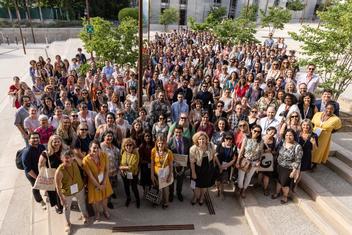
point(74, 188)
point(129, 175)
point(100, 177)
point(318, 131)
point(193, 184)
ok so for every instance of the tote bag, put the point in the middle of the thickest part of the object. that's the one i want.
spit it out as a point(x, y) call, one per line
point(45, 180)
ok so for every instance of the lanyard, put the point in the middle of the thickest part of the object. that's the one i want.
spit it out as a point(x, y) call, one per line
point(267, 124)
point(306, 113)
point(73, 173)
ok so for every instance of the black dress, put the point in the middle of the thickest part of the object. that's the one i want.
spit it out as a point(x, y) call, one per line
point(205, 173)
point(307, 146)
point(145, 160)
point(225, 155)
point(55, 162)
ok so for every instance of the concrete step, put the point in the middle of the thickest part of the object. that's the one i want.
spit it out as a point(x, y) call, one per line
point(340, 168)
point(333, 206)
point(315, 214)
point(342, 153)
point(268, 216)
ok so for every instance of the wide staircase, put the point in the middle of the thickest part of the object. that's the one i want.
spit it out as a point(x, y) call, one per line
point(321, 205)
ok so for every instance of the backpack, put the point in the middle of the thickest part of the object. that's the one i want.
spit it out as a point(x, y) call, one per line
point(19, 163)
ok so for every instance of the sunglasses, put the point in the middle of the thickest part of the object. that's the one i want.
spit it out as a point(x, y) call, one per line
point(83, 129)
point(74, 115)
point(228, 138)
point(254, 111)
point(294, 116)
point(84, 107)
point(161, 118)
point(312, 69)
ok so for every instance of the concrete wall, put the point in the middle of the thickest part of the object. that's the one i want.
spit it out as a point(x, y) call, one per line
point(42, 35)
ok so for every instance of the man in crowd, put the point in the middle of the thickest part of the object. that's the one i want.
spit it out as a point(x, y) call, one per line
point(310, 79)
point(326, 98)
point(21, 114)
point(178, 107)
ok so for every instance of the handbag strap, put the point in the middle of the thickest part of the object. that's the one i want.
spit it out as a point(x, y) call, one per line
point(45, 154)
point(167, 155)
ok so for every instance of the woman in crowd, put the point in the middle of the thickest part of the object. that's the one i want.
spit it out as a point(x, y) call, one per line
point(226, 154)
point(202, 159)
point(66, 131)
point(325, 123)
point(69, 184)
point(240, 134)
point(195, 114)
point(81, 143)
point(137, 132)
point(309, 142)
point(114, 157)
point(218, 112)
point(48, 107)
point(161, 127)
point(129, 169)
point(307, 106)
point(287, 107)
point(145, 150)
point(288, 165)
point(227, 100)
point(56, 118)
point(51, 158)
point(222, 127)
point(274, 71)
point(241, 88)
point(45, 130)
point(142, 116)
point(115, 103)
point(293, 122)
point(161, 159)
point(122, 124)
point(249, 158)
point(267, 100)
point(253, 117)
point(109, 126)
point(205, 125)
point(96, 166)
point(269, 141)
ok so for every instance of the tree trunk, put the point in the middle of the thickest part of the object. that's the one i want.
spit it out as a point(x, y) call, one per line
point(41, 15)
point(10, 14)
point(266, 6)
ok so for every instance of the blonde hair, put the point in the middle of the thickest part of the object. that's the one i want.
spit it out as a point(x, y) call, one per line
point(160, 138)
point(126, 141)
point(309, 122)
point(197, 135)
point(51, 140)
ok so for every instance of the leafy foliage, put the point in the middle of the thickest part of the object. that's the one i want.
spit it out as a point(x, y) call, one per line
point(250, 13)
point(216, 14)
point(128, 12)
point(330, 46)
point(169, 16)
point(240, 30)
point(117, 44)
point(295, 5)
point(276, 18)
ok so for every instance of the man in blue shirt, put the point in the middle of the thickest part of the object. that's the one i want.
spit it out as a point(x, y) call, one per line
point(108, 70)
point(30, 159)
point(178, 107)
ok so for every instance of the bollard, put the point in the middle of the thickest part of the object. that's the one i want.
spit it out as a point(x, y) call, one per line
point(16, 40)
point(7, 40)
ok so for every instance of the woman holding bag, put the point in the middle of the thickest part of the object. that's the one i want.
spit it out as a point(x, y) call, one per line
point(288, 165)
point(96, 166)
point(161, 167)
point(202, 156)
point(249, 158)
point(51, 159)
point(129, 169)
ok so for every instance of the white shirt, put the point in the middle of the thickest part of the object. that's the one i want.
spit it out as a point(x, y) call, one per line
point(312, 84)
point(265, 123)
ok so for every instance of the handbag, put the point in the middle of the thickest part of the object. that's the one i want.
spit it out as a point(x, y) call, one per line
point(245, 164)
point(45, 179)
point(163, 173)
point(153, 195)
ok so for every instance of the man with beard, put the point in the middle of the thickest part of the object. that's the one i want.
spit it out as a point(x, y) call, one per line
point(21, 114)
point(185, 90)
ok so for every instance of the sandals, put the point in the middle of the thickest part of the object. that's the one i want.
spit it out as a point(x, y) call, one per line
point(266, 192)
point(283, 201)
point(106, 215)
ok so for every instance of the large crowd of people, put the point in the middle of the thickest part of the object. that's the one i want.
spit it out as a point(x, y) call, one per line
point(218, 113)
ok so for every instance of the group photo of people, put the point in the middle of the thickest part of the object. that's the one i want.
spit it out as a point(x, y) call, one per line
point(214, 115)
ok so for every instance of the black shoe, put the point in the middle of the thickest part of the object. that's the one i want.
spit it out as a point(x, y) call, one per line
point(110, 205)
point(155, 205)
point(58, 210)
point(114, 196)
point(180, 197)
point(127, 203)
point(165, 206)
point(138, 204)
point(171, 197)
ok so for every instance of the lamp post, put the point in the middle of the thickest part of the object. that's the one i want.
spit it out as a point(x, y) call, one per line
point(19, 25)
point(90, 34)
point(140, 51)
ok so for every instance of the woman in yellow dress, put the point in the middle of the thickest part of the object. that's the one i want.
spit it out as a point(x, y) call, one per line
point(324, 124)
point(96, 166)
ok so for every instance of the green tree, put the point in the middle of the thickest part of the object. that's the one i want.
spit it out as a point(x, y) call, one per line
point(128, 12)
point(275, 18)
point(192, 23)
point(169, 16)
point(239, 30)
point(329, 47)
point(216, 15)
point(250, 13)
point(117, 44)
point(295, 5)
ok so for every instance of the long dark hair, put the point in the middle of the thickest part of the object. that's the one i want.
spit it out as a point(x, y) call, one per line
point(259, 139)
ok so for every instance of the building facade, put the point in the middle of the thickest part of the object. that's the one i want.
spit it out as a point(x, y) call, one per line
point(199, 9)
